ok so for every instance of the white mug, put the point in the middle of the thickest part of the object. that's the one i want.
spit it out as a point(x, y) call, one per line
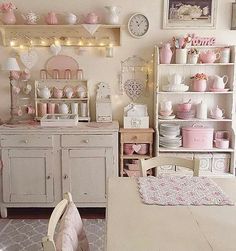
point(166, 105)
point(83, 109)
point(74, 108)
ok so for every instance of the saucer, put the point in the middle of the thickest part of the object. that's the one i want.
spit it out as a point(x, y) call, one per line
point(172, 116)
point(218, 90)
point(213, 117)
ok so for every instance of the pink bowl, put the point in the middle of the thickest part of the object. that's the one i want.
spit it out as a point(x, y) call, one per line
point(128, 149)
point(143, 149)
point(222, 143)
point(184, 107)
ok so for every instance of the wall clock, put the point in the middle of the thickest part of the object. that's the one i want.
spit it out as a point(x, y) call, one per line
point(138, 25)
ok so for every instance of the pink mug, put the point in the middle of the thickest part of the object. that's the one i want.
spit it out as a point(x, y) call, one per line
point(51, 108)
point(25, 75)
point(30, 109)
point(42, 109)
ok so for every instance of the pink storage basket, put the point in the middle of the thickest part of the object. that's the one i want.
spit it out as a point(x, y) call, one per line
point(128, 149)
point(197, 137)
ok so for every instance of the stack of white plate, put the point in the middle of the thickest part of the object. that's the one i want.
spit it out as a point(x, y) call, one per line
point(170, 135)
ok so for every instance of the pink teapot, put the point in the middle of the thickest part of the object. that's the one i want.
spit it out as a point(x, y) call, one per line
point(209, 56)
point(51, 18)
point(91, 18)
point(57, 93)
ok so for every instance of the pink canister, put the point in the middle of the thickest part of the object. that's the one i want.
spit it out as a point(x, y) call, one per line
point(165, 54)
point(197, 137)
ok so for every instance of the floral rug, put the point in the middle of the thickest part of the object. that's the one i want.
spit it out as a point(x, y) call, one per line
point(167, 190)
point(26, 235)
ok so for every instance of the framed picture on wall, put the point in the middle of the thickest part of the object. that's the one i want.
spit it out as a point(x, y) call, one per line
point(189, 14)
point(233, 19)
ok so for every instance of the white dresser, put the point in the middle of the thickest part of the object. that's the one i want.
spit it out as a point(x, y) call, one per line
point(40, 164)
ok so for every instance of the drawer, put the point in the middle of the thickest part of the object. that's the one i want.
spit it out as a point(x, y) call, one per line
point(136, 137)
point(26, 140)
point(86, 140)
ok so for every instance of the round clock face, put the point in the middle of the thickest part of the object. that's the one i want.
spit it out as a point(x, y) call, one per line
point(138, 25)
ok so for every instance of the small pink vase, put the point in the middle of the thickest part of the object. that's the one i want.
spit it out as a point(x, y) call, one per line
point(8, 17)
point(165, 54)
point(199, 85)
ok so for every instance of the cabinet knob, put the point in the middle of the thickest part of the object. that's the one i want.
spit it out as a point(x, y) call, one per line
point(48, 177)
point(86, 140)
point(65, 176)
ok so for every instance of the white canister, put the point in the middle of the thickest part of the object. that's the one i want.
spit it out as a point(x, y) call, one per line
point(202, 110)
point(192, 58)
point(74, 108)
point(225, 55)
point(83, 109)
point(181, 56)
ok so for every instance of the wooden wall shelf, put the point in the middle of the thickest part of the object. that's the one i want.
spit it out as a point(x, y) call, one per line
point(67, 35)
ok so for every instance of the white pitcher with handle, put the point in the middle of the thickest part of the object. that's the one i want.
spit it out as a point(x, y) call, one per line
point(219, 82)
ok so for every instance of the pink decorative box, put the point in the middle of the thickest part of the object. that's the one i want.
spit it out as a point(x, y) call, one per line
point(197, 137)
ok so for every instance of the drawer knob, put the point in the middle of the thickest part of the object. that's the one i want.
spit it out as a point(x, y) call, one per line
point(48, 177)
point(65, 176)
point(86, 140)
point(25, 141)
point(134, 137)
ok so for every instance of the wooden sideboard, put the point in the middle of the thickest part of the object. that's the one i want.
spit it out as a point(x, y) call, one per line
point(39, 164)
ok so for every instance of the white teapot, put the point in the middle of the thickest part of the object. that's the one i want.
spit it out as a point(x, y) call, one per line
point(175, 79)
point(217, 113)
point(219, 82)
point(71, 18)
point(30, 17)
point(44, 92)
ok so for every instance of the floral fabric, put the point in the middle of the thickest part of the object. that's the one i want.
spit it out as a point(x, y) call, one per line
point(167, 190)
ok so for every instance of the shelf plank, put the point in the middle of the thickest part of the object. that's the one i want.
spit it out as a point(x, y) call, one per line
point(182, 149)
point(61, 99)
point(195, 120)
point(210, 64)
point(134, 156)
point(197, 93)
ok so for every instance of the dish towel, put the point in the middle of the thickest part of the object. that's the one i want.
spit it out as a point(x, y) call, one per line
point(167, 190)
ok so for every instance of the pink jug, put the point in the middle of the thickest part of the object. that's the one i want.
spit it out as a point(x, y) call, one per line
point(51, 18)
point(165, 54)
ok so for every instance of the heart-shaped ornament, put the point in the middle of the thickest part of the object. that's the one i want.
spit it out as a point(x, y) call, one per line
point(29, 58)
point(136, 148)
point(55, 49)
point(133, 88)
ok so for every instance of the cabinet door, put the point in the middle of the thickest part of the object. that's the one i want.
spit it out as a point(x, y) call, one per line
point(84, 173)
point(27, 175)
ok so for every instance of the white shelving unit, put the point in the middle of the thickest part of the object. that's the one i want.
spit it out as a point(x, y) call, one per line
point(61, 84)
point(225, 100)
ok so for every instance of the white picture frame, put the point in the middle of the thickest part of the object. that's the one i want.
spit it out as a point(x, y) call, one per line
point(189, 14)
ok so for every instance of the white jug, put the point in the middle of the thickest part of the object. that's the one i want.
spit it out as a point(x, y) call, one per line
point(219, 82)
point(113, 14)
point(201, 110)
point(175, 79)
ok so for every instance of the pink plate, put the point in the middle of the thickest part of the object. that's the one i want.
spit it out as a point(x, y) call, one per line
point(218, 90)
point(61, 63)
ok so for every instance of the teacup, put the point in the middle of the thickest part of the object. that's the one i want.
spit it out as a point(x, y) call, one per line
point(27, 89)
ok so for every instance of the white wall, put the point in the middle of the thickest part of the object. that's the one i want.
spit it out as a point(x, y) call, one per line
point(99, 68)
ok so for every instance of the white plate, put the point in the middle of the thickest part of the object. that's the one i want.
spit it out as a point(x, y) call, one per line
point(166, 117)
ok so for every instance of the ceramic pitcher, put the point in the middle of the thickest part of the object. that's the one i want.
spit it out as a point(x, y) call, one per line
point(166, 54)
point(113, 14)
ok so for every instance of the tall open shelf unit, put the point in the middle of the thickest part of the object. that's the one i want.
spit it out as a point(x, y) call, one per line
point(210, 159)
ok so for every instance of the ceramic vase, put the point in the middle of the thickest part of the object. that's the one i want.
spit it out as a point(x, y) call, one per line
point(165, 54)
point(181, 56)
point(8, 17)
point(199, 85)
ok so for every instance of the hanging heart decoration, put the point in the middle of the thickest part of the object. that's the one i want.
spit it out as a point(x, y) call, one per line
point(55, 49)
point(133, 88)
point(29, 58)
point(136, 148)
